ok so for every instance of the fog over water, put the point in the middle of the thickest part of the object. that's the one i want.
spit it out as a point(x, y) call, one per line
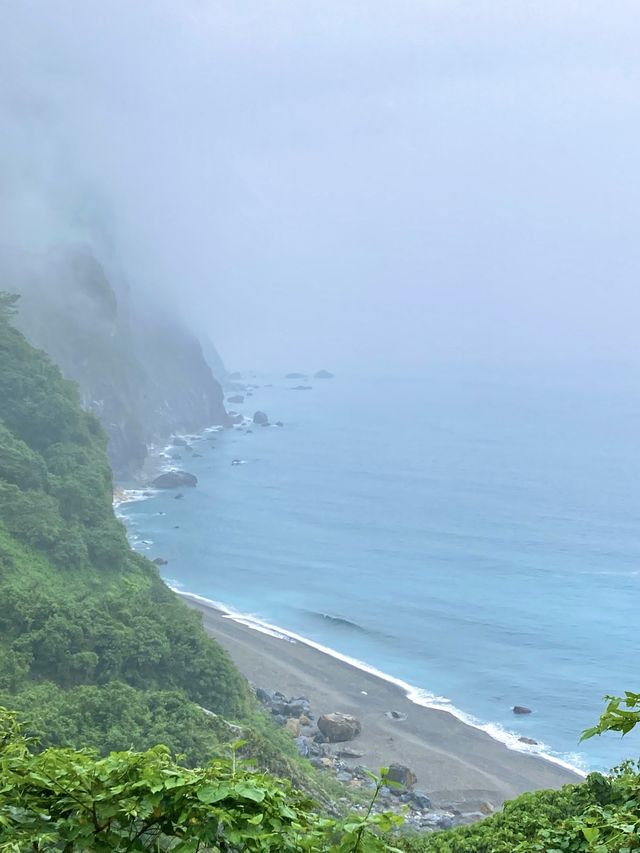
point(339, 184)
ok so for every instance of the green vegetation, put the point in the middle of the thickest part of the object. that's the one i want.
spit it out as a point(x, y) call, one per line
point(62, 799)
point(92, 644)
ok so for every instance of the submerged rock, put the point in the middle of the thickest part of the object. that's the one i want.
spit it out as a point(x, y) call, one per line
point(339, 727)
point(260, 418)
point(174, 479)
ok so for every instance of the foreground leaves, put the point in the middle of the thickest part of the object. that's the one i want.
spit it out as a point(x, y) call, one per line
point(68, 800)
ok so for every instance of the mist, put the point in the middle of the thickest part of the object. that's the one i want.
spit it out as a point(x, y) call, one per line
point(338, 185)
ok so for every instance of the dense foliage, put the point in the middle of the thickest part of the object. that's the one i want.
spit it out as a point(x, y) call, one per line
point(92, 643)
point(62, 799)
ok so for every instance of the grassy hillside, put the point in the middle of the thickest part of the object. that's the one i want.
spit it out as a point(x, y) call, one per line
point(92, 644)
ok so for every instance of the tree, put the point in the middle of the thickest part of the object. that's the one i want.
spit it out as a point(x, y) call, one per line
point(8, 303)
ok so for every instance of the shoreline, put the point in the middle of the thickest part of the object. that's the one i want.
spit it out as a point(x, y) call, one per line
point(457, 763)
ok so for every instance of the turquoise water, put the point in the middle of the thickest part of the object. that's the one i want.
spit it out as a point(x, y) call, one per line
point(477, 537)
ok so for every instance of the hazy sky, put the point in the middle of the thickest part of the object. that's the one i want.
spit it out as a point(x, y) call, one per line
point(331, 183)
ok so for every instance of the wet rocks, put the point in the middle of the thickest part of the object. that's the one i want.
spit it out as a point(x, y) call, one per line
point(261, 418)
point(339, 727)
point(175, 479)
point(521, 709)
point(528, 740)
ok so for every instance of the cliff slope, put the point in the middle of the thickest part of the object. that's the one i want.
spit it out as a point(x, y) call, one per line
point(139, 370)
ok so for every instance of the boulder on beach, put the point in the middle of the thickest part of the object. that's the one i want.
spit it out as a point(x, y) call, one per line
point(175, 479)
point(260, 418)
point(401, 775)
point(521, 709)
point(237, 398)
point(323, 374)
point(339, 727)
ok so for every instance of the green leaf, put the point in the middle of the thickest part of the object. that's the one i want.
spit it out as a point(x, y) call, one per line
point(213, 793)
point(590, 833)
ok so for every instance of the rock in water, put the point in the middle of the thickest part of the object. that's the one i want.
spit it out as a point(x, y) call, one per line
point(528, 740)
point(260, 418)
point(401, 775)
point(295, 376)
point(520, 709)
point(177, 441)
point(174, 479)
point(237, 398)
point(339, 727)
point(323, 374)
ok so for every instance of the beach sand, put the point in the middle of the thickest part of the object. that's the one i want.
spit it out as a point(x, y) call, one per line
point(456, 764)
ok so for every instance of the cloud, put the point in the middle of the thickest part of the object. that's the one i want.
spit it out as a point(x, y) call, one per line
point(375, 182)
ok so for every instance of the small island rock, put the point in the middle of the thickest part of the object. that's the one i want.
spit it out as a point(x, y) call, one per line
point(520, 709)
point(174, 479)
point(260, 418)
point(323, 374)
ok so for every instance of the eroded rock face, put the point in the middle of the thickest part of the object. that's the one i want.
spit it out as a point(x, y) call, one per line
point(175, 479)
point(402, 775)
point(339, 727)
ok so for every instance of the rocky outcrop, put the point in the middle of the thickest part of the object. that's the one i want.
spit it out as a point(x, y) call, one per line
point(339, 727)
point(401, 775)
point(323, 374)
point(142, 371)
point(175, 479)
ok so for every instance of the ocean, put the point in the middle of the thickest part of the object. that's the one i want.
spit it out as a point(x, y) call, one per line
point(475, 535)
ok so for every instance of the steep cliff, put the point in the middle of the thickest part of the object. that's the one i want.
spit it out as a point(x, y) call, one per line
point(93, 645)
point(139, 369)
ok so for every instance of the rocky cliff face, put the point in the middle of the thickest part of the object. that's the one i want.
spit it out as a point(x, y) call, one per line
point(139, 369)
